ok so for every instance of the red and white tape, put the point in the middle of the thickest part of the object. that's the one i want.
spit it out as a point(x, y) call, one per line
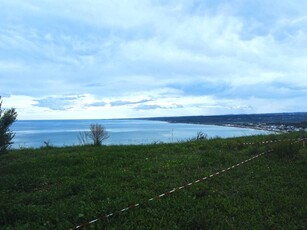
point(169, 192)
point(270, 142)
point(183, 186)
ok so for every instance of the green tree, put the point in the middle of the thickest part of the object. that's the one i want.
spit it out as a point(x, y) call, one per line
point(7, 118)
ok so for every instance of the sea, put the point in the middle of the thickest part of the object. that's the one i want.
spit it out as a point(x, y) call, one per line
point(39, 133)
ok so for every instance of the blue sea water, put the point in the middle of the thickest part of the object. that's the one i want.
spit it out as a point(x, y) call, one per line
point(65, 132)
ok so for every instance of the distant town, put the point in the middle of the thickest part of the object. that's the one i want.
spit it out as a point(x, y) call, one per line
point(278, 128)
point(274, 122)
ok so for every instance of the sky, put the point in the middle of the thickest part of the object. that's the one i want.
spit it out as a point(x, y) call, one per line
point(76, 59)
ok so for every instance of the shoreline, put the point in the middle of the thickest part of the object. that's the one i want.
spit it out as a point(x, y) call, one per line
point(260, 127)
point(251, 127)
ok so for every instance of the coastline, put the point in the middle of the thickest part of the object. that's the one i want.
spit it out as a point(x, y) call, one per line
point(277, 129)
point(253, 127)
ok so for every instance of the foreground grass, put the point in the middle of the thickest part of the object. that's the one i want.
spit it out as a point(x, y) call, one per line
point(59, 188)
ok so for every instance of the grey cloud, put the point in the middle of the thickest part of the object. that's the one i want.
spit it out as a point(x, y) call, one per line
point(273, 90)
point(154, 107)
point(148, 107)
point(122, 103)
point(97, 104)
point(57, 103)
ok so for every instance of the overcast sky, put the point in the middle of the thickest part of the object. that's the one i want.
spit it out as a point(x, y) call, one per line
point(71, 59)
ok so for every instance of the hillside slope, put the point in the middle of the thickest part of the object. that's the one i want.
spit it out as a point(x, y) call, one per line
point(60, 188)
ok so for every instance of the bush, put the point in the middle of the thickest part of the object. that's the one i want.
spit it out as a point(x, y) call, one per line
point(200, 136)
point(96, 134)
point(7, 118)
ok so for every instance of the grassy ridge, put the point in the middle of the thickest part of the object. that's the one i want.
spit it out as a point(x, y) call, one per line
point(58, 188)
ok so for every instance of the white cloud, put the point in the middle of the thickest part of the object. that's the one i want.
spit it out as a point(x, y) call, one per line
point(184, 57)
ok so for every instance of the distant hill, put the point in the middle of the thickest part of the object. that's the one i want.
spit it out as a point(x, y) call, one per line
point(270, 118)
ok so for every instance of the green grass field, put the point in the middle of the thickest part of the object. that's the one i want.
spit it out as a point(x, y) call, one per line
point(60, 188)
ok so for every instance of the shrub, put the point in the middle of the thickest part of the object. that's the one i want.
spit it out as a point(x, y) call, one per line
point(96, 134)
point(47, 145)
point(7, 118)
point(200, 136)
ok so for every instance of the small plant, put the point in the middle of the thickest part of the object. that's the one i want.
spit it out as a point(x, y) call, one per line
point(83, 138)
point(96, 135)
point(47, 145)
point(7, 118)
point(200, 136)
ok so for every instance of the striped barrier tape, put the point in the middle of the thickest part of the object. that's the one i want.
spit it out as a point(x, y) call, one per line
point(299, 140)
point(178, 188)
point(270, 142)
point(169, 192)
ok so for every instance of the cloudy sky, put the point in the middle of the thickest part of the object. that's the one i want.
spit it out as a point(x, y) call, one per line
point(71, 59)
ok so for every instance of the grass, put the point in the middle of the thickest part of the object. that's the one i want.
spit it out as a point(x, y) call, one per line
point(59, 188)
